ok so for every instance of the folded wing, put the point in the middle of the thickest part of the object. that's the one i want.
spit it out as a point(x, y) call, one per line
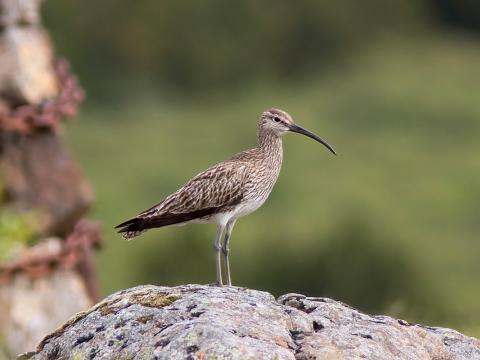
point(215, 190)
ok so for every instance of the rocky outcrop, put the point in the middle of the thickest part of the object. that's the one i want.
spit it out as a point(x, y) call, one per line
point(46, 264)
point(210, 322)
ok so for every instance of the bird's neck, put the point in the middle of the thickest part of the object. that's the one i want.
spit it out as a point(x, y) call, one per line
point(270, 143)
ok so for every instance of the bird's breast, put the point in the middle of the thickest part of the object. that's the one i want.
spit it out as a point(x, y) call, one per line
point(260, 184)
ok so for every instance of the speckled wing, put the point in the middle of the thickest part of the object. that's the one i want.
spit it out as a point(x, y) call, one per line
point(215, 190)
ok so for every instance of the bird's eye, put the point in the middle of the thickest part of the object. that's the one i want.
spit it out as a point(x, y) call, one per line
point(276, 119)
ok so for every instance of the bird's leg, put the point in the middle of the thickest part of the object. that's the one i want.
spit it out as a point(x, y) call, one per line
point(226, 250)
point(217, 248)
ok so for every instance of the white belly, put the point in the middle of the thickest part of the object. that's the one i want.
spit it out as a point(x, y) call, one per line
point(242, 209)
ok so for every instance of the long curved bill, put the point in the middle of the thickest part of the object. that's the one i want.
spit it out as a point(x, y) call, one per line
point(300, 130)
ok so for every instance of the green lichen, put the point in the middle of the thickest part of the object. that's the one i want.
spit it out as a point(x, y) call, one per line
point(154, 300)
point(141, 297)
point(107, 307)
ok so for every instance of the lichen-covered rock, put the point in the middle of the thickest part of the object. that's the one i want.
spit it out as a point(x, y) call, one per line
point(210, 322)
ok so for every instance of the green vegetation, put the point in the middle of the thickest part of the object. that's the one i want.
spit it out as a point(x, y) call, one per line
point(193, 47)
point(15, 231)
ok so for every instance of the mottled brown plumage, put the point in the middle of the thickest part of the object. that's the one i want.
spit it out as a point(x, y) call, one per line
point(226, 191)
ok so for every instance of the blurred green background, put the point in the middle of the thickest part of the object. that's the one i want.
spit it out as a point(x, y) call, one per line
point(391, 225)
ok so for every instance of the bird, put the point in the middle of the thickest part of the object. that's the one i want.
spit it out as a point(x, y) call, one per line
point(226, 191)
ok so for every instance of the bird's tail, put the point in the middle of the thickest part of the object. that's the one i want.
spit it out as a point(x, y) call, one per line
point(129, 235)
point(132, 228)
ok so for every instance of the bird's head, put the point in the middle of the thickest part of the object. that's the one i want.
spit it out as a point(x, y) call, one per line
point(280, 122)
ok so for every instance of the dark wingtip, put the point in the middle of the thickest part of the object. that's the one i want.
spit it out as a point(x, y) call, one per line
point(126, 223)
point(131, 228)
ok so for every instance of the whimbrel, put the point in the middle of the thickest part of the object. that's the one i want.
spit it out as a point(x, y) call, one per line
point(226, 191)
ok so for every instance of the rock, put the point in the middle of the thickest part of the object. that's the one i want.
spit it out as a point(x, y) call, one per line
point(19, 12)
point(30, 308)
point(22, 38)
point(210, 322)
point(38, 174)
